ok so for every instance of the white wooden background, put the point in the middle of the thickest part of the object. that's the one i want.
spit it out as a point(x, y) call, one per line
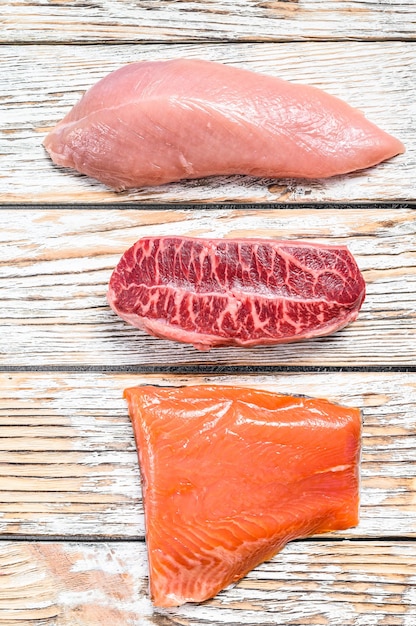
point(72, 549)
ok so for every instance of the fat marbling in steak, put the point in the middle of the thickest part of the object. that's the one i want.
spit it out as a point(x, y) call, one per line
point(243, 292)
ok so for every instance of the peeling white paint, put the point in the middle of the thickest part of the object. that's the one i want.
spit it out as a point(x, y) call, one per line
point(54, 310)
point(373, 497)
point(110, 560)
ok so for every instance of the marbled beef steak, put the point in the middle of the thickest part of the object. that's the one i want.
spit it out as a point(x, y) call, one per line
point(218, 292)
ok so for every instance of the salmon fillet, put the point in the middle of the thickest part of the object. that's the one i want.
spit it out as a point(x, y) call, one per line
point(230, 475)
point(151, 123)
point(242, 292)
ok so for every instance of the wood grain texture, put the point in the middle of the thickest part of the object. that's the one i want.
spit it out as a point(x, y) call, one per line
point(40, 87)
point(56, 264)
point(74, 21)
point(68, 464)
point(308, 583)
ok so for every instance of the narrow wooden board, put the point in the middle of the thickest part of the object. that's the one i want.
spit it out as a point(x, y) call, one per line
point(68, 464)
point(56, 265)
point(308, 583)
point(41, 85)
point(206, 20)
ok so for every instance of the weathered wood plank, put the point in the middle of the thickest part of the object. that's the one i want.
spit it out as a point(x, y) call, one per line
point(319, 583)
point(206, 20)
point(68, 463)
point(40, 86)
point(55, 267)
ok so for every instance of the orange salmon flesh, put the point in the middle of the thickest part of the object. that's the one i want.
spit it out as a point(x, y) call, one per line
point(230, 475)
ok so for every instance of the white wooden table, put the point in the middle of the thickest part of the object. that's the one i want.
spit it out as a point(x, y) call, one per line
point(72, 549)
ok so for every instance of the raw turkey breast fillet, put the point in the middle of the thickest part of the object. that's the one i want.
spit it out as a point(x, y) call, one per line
point(230, 475)
point(151, 123)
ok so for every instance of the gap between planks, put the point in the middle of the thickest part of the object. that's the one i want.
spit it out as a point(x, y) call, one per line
point(199, 370)
point(198, 206)
point(67, 538)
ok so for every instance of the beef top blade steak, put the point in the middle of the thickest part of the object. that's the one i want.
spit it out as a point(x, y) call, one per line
point(243, 292)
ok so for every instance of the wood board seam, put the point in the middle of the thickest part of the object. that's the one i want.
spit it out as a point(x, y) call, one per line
point(220, 40)
point(31, 538)
point(206, 369)
point(244, 206)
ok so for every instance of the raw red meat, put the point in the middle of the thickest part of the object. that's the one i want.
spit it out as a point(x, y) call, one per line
point(236, 292)
point(150, 123)
point(230, 475)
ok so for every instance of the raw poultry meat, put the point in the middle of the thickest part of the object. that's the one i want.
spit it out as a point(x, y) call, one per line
point(150, 123)
point(244, 292)
point(230, 475)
